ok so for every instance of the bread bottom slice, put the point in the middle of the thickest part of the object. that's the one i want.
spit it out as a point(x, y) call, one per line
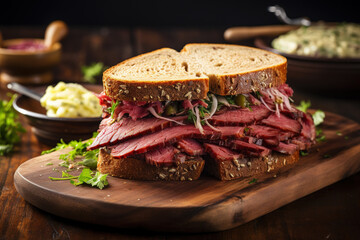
point(247, 167)
point(138, 169)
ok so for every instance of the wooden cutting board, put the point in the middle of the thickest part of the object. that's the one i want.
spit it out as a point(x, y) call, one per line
point(204, 205)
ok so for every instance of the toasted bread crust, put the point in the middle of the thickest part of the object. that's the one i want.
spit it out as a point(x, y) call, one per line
point(137, 169)
point(249, 82)
point(247, 167)
point(194, 87)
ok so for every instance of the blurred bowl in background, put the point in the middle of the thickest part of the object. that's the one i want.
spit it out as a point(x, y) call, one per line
point(49, 130)
point(26, 64)
point(318, 74)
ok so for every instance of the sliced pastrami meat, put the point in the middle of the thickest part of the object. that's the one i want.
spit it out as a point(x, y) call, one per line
point(191, 147)
point(221, 153)
point(249, 149)
point(286, 148)
point(283, 123)
point(128, 128)
point(302, 142)
point(169, 136)
point(240, 116)
point(161, 157)
point(308, 127)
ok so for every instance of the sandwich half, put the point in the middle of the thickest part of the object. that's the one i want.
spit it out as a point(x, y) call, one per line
point(168, 115)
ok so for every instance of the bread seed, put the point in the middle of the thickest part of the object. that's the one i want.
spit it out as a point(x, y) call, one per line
point(126, 91)
point(160, 87)
point(198, 90)
point(139, 87)
point(163, 93)
point(249, 164)
point(182, 178)
point(172, 170)
point(167, 96)
point(162, 176)
point(134, 98)
point(123, 86)
point(236, 162)
point(190, 179)
point(194, 166)
point(188, 95)
point(231, 175)
point(121, 91)
point(242, 165)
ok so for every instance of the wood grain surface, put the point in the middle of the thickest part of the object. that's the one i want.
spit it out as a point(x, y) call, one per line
point(204, 205)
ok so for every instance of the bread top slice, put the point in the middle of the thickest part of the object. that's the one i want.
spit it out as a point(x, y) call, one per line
point(166, 74)
point(159, 75)
point(235, 69)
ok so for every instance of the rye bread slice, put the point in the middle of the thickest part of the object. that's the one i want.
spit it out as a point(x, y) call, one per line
point(166, 74)
point(138, 169)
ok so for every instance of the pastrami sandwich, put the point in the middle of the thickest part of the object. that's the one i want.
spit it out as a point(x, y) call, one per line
point(169, 115)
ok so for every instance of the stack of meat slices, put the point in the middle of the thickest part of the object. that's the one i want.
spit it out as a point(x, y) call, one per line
point(238, 140)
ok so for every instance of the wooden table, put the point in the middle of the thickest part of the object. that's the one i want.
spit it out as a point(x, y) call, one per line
point(331, 213)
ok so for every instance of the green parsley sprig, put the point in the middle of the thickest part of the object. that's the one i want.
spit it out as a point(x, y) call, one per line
point(87, 176)
point(92, 71)
point(79, 149)
point(10, 128)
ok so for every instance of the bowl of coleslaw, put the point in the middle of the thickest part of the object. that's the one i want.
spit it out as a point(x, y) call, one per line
point(66, 111)
point(323, 58)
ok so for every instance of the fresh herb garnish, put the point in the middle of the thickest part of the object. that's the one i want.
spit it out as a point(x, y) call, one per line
point(304, 105)
point(92, 71)
point(304, 153)
point(10, 128)
point(59, 146)
point(112, 109)
point(254, 180)
point(191, 116)
point(90, 159)
point(87, 176)
point(79, 148)
point(318, 117)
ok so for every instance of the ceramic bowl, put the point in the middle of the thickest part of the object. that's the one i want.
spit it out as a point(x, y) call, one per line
point(50, 130)
point(28, 67)
point(320, 75)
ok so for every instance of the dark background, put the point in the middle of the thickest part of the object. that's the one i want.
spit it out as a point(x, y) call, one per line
point(221, 13)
